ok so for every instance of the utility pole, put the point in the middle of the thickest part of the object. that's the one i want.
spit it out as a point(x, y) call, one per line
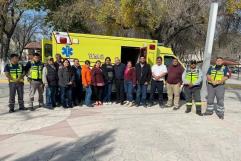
point(209, 47)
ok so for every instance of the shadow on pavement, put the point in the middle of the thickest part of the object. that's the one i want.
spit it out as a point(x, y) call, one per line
point(88, 148)
point(6, 157)
point(237, 95)
point(17, 110)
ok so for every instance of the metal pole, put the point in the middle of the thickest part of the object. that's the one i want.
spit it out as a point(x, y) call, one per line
point(209, 47)
point(238, 65)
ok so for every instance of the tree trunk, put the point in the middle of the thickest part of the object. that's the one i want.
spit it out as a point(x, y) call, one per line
point(6, 48)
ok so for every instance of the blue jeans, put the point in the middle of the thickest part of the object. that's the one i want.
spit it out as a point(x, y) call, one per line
point(88, 93)
point(107, 92)
point(141, 93)
point(66, 96)
point(128, 90)
point(50, 96)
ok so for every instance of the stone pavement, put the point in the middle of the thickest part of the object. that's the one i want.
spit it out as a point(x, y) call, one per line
point(115, 133)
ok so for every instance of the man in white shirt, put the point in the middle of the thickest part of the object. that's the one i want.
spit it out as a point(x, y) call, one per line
point(158, 75)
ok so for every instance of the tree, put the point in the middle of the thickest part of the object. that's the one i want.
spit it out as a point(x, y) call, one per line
point(11, 12)
point(181, 24)
point(29, 25)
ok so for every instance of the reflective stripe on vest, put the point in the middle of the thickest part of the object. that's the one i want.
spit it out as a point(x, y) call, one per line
point(217, 75)
point(192, 76)
point(16, 73)
point(36, 71)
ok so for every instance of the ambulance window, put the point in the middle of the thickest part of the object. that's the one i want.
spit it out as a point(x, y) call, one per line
point(47, 50)
point(168, 60)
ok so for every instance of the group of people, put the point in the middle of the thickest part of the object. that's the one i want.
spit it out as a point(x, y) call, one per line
point(64, 84)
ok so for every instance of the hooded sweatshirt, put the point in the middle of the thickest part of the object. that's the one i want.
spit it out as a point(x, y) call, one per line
point(86, 75)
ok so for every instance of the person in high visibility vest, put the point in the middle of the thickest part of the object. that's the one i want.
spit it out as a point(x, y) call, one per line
point(35, 72)
point(216, 77)
point(15, 74)
point(192, 80)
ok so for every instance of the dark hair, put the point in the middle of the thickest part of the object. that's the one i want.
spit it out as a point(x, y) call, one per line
point(87, 62)
point(219, 58)
point(174, 59)
point(193, 62)
point(142, 56)
point(75, 59)
point(13, 55)
point(159, 57)
point(66, 60)
point(36, 54)
point(107, 58)
point(98, 61)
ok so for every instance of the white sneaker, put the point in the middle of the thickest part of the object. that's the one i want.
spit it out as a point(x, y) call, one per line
point(127, 103)
point(109, 103)
point(130, 104)
point(105, 103)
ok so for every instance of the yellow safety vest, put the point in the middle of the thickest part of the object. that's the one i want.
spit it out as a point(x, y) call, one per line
point(192, 76)
point(36, 71)
point(217, 75)
point(15, 73)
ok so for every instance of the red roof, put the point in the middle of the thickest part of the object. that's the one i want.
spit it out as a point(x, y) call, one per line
point(33, 45)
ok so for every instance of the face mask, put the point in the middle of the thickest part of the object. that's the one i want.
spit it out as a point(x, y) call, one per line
point(218, 66)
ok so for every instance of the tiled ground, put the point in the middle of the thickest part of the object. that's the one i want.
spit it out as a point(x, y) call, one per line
point(115, 133)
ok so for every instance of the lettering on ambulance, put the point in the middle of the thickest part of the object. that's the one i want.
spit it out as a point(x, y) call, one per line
point(96, 56)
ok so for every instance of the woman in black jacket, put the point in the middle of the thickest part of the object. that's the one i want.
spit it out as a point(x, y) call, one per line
point(66, 80)
point(108, 70)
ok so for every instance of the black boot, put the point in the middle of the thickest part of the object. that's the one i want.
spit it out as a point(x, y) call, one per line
point(188, 110)
point(208, 113)
point(11, 110)
point(22, 108)
point(31, 106)
point(199, 111)
point(220, 115)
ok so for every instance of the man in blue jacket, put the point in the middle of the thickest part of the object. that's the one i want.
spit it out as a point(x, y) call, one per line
point(119, 69)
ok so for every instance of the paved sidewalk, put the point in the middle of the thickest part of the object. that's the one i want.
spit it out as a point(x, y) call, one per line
point(115, 133)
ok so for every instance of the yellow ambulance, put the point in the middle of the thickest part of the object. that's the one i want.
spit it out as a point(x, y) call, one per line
point(98, 47)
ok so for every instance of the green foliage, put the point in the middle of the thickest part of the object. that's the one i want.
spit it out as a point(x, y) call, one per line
point(181, 24)
point(233, 6)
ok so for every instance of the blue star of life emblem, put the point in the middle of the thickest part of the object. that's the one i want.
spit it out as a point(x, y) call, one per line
point(67, 51)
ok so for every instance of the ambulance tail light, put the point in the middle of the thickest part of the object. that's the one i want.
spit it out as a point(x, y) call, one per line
point(152, 47)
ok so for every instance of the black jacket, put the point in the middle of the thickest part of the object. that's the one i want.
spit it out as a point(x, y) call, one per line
point(78, 78)
point(119, 71)
point(143, 74)
point(108, 73)
point(52, 75)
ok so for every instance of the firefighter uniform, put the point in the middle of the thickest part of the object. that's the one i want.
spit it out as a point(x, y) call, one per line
point(35, 70)
point(217, 73)
point(194, 77)
point(16, 84)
